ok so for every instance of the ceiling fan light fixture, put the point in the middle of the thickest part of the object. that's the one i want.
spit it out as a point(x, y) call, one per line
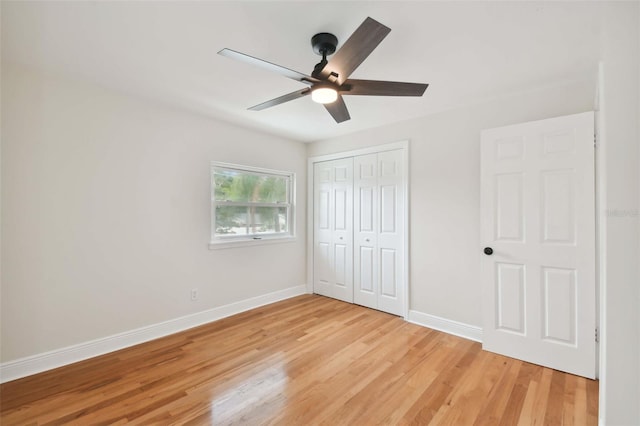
point(324, 95)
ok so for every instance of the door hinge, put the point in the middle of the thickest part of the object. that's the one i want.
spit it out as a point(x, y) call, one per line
point(597, 336)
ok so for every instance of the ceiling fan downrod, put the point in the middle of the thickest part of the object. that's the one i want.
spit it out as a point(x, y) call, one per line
point(324, 44)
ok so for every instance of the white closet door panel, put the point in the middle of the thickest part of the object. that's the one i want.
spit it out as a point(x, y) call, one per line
point(342, 235)
point(365, 259)
point(333, 229)
point(365, 183)
point(323, 262)
point(391, 232)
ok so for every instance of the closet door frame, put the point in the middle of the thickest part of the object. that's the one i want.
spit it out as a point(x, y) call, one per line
point(401, 145)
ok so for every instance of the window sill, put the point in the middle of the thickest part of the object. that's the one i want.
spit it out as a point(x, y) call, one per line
point(247, 243)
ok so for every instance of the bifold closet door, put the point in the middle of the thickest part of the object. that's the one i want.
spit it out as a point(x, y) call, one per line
point(379, 231)
point(333, 229)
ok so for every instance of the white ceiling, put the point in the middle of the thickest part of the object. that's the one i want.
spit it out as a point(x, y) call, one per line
point(468, 52)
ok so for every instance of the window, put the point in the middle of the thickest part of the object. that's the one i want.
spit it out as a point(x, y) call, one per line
point(250, 205)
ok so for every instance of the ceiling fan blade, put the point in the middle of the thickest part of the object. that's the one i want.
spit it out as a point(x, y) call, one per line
point(382, 88)
point(355, 50)
point(295, 75)
point(338, 110)
point(282, 99)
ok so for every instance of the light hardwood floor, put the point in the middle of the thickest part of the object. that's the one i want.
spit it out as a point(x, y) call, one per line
point(304, 361)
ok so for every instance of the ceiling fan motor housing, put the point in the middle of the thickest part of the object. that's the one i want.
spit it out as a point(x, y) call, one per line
point(324, 43)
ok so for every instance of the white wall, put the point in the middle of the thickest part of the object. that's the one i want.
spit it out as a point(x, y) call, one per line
point(445, 193)
point(620, 386)
point(105, 214)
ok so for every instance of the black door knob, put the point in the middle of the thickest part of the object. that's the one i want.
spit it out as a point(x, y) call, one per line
point(488, 251)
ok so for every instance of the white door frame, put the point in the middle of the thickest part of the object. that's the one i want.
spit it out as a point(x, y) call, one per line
point(601, 243)
point(402, 145)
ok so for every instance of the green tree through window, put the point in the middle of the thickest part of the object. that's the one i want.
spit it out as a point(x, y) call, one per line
point(251, 202)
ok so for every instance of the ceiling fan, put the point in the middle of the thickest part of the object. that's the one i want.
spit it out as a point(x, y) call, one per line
point(330, 78)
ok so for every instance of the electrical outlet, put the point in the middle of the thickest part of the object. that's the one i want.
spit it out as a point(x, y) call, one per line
point(194, 294)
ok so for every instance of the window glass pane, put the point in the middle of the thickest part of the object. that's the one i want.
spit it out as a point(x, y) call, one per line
point(272, 220)
point(235, 220)
point(239, 186)
point(231, 220)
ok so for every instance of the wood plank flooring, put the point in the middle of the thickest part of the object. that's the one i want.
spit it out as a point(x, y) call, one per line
point(303, 361)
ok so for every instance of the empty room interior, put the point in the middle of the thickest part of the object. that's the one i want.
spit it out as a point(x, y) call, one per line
point(320, 212)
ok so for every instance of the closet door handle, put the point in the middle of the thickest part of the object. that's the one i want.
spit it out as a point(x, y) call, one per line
point(340, 237)
point(367, 240)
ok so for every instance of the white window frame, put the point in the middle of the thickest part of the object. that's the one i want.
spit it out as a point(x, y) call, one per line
point(227, 241)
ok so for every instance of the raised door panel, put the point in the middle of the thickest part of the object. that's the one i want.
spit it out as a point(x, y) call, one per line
point(558, 199)
point(388, 276)
point(559, 305)
point(341, 210)
point(509, 213)
point(366, 205)
point(324, 274)
point(510, 296)
point(323, 209)
point(340, 265)
point(367, 273)
point(388, 208)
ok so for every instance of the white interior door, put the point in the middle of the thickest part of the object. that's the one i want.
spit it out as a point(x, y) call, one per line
point(333, 229)
point(538, 218)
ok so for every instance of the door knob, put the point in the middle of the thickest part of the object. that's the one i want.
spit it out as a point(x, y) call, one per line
point(367, 240)
point(488, 251)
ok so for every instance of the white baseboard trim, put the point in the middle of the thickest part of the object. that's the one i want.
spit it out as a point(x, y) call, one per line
point(456, 328)
point(57, 358)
